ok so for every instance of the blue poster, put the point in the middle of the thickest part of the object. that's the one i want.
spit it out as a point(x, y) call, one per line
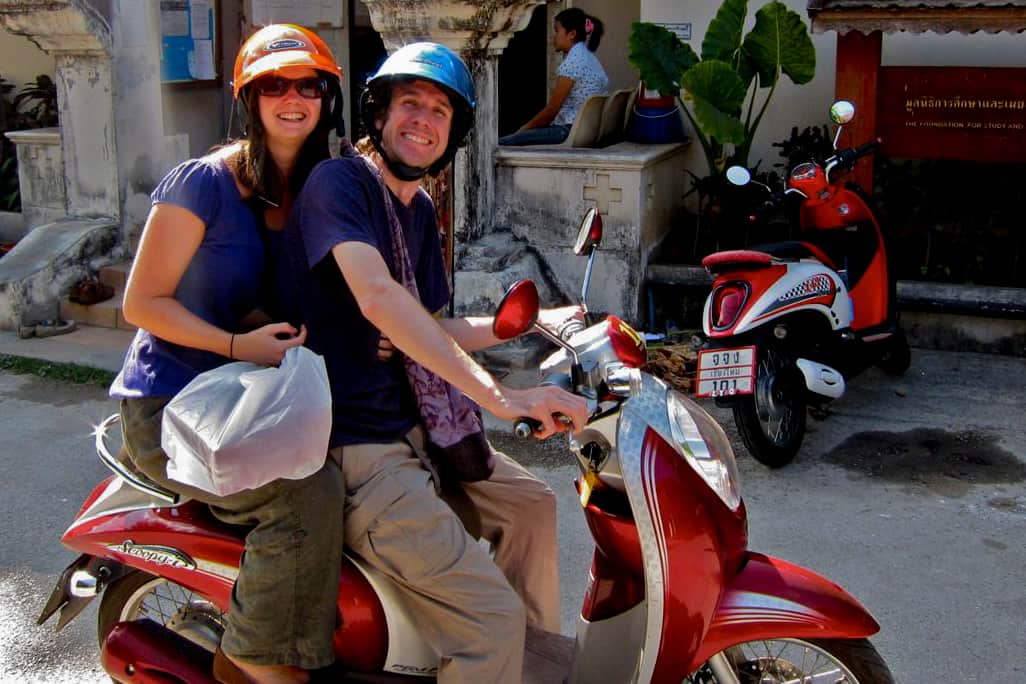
point(187, 40)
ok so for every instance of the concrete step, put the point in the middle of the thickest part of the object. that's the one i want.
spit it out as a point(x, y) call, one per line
point(116, 275)
point(107, 314)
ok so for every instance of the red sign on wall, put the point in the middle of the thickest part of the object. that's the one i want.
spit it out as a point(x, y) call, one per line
point(967, 113)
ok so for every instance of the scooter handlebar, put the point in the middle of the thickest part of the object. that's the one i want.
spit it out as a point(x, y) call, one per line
point(526, 427)
point(846, 158)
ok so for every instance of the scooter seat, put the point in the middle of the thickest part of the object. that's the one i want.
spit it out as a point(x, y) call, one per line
point(736, 258)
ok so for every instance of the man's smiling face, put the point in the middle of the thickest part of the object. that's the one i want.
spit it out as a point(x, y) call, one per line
point(415, 130)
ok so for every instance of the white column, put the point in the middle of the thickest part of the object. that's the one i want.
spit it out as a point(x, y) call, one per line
point(479, 30)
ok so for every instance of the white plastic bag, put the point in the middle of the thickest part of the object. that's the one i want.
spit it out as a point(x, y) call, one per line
point(240, 426)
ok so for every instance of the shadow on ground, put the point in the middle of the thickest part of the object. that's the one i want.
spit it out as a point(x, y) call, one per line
point(945, 463)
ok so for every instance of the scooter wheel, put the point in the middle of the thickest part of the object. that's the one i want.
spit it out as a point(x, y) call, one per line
point(851, 661)
point(898, 358)
point(771, 421)
point(140, 595)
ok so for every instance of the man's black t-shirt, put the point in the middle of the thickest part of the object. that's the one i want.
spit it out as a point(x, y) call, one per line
point(341, 202)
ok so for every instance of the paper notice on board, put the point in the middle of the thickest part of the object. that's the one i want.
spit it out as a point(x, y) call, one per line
point(201, 60)
point(302, 12)
point(199, 12)
point(174, 18)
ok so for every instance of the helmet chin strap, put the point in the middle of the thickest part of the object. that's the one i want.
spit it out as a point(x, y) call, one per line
point(403, 172)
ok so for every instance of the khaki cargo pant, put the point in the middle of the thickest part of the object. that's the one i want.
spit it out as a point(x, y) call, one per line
point(283, 605)
point(460, 600)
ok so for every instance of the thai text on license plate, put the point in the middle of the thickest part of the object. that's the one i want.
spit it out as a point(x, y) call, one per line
point(726, 372)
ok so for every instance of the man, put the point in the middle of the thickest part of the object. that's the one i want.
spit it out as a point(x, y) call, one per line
point(418, 109)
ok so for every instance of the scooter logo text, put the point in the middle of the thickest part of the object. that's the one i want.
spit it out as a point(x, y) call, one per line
point(813, 286)
point(159, 555)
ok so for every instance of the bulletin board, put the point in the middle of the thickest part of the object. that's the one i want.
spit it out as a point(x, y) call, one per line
point(189, 41)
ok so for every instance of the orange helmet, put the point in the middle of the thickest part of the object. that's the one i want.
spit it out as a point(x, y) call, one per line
point(278, 46)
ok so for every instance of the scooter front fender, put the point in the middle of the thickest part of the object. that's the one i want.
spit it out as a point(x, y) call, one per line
point(773, 599)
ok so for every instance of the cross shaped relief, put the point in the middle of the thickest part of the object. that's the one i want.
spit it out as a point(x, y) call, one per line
point(602, 193)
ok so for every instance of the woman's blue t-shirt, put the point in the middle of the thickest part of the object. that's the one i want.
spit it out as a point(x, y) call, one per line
point(221, 285)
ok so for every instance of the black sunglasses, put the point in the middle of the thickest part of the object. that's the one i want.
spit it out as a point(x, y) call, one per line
point(311, 88)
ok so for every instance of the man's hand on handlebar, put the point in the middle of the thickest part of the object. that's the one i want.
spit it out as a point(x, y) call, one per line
point(547, 406)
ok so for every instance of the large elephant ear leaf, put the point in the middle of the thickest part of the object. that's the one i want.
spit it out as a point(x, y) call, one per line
point(780, 40)
point(718, 93)
point(723, 37)
point(659, 56)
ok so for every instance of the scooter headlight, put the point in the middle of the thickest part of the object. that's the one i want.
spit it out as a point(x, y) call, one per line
point(704, 445)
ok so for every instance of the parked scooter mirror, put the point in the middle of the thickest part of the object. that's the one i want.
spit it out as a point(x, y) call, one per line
point(739, 176)
point(841, 112)
point(588, 237)
point(590, 233)
point(517, 312)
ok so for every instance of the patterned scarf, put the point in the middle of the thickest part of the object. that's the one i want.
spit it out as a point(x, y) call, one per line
point(455, 433)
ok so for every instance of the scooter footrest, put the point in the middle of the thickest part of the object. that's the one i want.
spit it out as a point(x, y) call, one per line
point(736, 258)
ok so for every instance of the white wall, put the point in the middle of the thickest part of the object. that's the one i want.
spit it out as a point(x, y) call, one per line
point(612, 52)
point(21, 61)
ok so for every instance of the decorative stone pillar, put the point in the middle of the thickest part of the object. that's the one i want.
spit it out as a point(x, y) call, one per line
point(40, 175)
point(79, 39)
point(479, 30)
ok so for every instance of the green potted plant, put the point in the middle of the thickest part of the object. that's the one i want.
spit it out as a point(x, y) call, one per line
point(734, 68)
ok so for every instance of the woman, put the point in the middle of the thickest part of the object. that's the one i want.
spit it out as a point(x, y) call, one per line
point(194, 293)
point(580, 76)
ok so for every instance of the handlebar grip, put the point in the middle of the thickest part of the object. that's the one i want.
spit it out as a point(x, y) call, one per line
point(526, 427)
point(865, 148)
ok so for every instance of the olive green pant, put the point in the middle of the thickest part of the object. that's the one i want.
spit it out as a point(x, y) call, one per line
point(283, 606)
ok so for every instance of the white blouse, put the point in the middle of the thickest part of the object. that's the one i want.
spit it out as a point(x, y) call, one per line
point(582, 67)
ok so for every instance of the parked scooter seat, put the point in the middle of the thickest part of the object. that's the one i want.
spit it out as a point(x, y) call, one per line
point(734, 258)
point(793, 251)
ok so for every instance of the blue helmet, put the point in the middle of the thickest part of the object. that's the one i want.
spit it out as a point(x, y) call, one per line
point(430, 62)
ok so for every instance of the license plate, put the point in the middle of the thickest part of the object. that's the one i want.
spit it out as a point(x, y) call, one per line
point(725, 372)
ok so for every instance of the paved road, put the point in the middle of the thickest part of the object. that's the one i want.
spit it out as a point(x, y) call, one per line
point(912, 495)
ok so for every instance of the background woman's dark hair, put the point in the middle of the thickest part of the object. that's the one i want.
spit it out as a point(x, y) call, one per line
point(574, 19)
point(257, 170)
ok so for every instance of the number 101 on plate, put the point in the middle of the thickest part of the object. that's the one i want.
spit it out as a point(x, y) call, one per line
point(726, 372)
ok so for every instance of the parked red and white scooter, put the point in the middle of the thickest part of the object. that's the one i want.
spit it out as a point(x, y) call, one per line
point(674, 594)
point(787, 324)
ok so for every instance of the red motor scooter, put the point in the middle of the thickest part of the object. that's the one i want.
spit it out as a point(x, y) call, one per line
point(674, 594)
point(787, 324)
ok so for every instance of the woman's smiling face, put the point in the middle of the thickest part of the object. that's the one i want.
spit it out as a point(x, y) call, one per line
point(290, 116)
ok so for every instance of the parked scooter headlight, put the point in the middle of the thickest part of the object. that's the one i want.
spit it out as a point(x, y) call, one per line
point(704, 445)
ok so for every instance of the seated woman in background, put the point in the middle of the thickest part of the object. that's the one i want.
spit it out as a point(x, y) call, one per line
point(580, 76)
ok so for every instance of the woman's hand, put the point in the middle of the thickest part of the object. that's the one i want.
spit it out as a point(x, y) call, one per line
point(386, 350)
point(266, 345)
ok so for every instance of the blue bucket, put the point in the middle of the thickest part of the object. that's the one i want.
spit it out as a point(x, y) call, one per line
point(655, 124)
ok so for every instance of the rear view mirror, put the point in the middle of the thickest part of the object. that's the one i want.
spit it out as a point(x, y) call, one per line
point(517, 311)
point(842, 112)
point(589, 235)
point(739, 175)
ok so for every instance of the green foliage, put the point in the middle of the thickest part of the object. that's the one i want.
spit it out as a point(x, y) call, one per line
point(719, 83)
point(66, 372)
point(37, 102)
